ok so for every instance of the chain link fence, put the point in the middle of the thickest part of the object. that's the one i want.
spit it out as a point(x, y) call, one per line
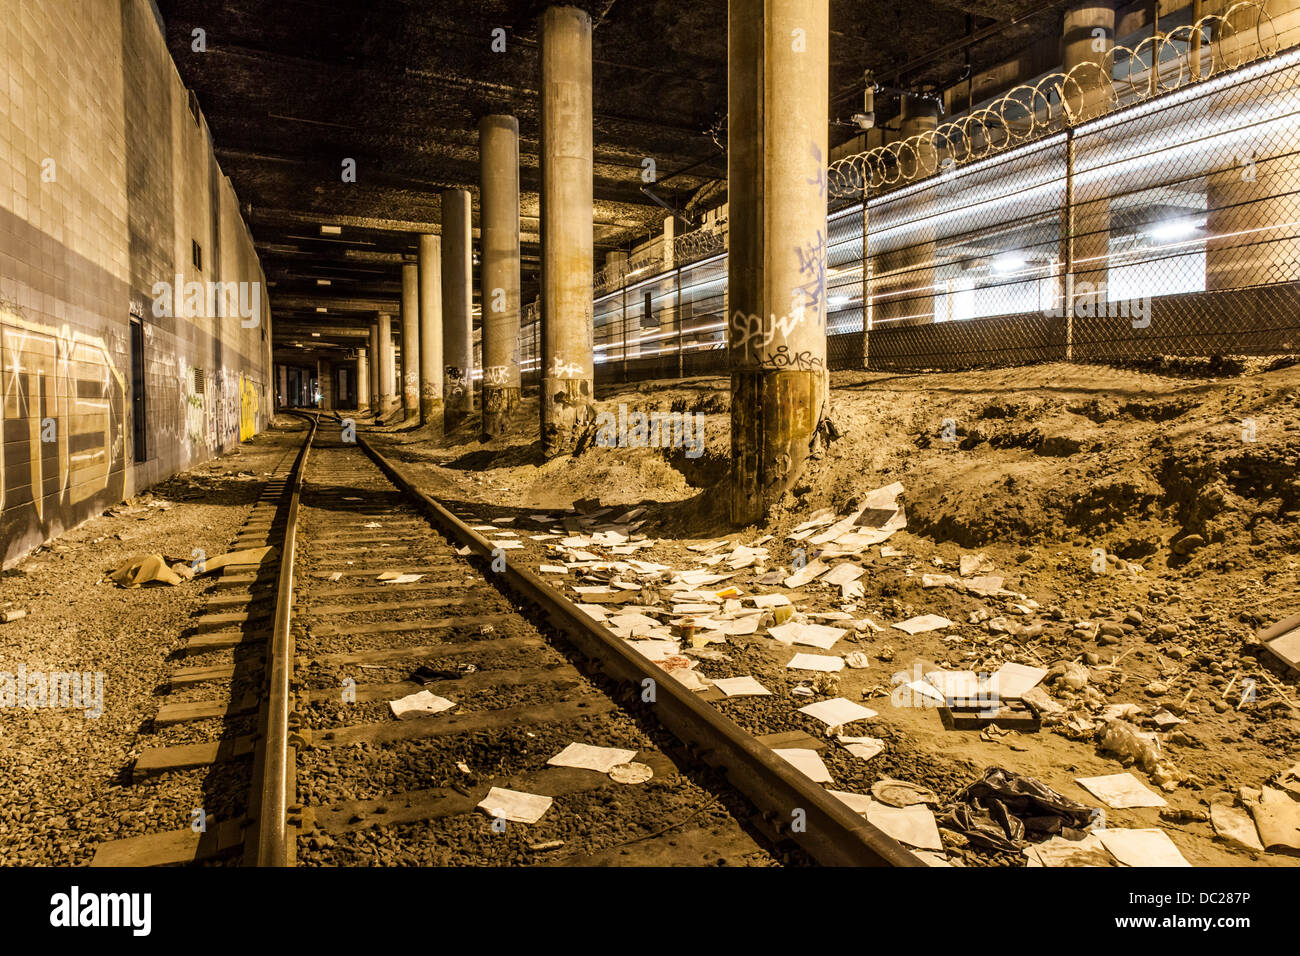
point(1143, 207)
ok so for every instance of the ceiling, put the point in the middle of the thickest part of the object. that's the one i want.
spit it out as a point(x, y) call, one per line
point(290, 88)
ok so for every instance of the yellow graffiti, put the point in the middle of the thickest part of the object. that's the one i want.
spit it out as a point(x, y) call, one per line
point(69, 377)
point(248, 407)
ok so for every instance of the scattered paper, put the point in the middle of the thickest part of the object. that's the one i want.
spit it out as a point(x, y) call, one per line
point(587, 757)
point(1121, 791)
point(1145, 847)
point(514, 806)
point(807, 762)
point(815, 662)
point(393, 577)
point(912, 825)
point(923, 623)
point(741, 687)
point(862, 747)
point(1011, 681)
point(814, 635)
point(420, 704)
point(837, 711)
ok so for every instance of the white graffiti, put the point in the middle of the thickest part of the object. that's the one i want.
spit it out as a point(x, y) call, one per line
point(496, 375)
point(746, 328)
point(562, 369)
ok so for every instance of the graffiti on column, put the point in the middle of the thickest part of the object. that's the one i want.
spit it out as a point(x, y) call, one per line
point(453, 383)
point(496, 375)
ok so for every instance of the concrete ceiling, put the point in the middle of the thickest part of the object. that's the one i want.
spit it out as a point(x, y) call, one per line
point(290, 88)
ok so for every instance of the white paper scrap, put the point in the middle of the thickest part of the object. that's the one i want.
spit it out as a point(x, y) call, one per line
point(862, 747)
point(1142, 847)
point(837, 711)
point(741, 687)
point(816, 662)
point(587, 757)
point(420, 704)
point(514, 806)
point(923, 623)
point(807, 762)
point(1121, 791)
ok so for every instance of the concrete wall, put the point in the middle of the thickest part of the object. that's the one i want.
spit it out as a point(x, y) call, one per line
point(106, 181)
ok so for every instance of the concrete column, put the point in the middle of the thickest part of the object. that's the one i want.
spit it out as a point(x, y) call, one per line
point(376, 373)
point(567, 357)
point(777, 92)
point(903, 278)
point(498, 218)
point(431, 331)
point(457, 307)
point(283, 396)
point(387, 387)
point(325, 381)
point(1087, 37)
point(411, 341)
point(363, 380)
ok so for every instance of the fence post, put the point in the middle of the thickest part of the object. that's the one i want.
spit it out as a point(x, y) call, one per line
point(677, 273)
point(1067, 285)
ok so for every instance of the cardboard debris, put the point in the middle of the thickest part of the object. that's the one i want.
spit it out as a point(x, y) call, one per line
point(1277, 818)
point(741, 687)
point(514, 806)
point(246, 556)
point(587, 757)
point(145, 569)
point(807, 762)
point(837, 711)
point(1143, 847)
point(420, 704)
point(923, 623)
point(1235, 827)
point(1121, 791)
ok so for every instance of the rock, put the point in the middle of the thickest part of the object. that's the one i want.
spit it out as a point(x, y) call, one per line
point(1092, 659)
point(1111, 628)
point(1188, 544)
point(1133, 617)
point(1157, 689)
point(1106, 640)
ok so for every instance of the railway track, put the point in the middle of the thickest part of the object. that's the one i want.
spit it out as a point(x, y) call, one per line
point(381, 594)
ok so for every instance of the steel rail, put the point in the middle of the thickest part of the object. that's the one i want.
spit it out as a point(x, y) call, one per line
point(790, 803)
point(272, 768)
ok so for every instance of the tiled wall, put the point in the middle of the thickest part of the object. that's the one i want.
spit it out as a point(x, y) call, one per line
point(106, 180)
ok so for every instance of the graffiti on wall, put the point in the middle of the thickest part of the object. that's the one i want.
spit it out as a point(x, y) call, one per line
point(248, 407)
point(62, 423)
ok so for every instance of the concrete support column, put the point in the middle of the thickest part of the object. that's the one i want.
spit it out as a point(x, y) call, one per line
point(567, 356)
point(283, 371)
point(376, 401)
point(1087, 38)
point(387, 387)
point(431, 331)
point(363, 380)
point(325, 382)
point(498, 138)
point(903, 277)
point(410, 388)
point(457, 308)
point(777, 69)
